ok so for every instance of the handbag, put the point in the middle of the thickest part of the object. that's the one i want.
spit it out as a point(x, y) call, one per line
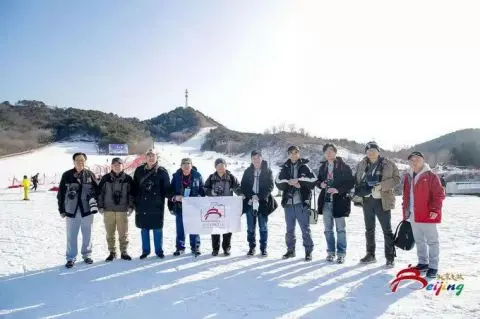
point(404, 236)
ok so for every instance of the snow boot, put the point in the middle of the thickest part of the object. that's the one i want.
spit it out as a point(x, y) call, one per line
point(308, 256)
point(215, 253)
point(179, 252)
point(330, 257)
point(196, 252)
point(390, 263)
point(160, 255)
point(289, 254)
point(111, 257)
point(432, 273)
point(340, 259)
point(143, 256)
point(251, 252)
point(264, 253)
point(69, 264)
point(421, 267)
point(88, 260)
point(125, 256)
point(226, 252)
point(368, 259)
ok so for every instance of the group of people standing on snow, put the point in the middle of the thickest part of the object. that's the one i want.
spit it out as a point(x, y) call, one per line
point(118, 195)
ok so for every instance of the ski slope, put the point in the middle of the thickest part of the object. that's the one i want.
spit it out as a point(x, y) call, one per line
point(35, 284)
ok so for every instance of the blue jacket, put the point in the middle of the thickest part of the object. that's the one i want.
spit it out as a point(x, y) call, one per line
point(177, 188)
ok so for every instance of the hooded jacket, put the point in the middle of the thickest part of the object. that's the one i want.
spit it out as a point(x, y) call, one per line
point(428, 196)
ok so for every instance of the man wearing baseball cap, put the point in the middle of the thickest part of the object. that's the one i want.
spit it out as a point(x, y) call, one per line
point(116, 203)
point(422, 205)
point(296, 181)
point(375, 180)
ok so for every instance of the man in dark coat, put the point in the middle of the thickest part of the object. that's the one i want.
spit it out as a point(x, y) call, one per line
point(151, 187)
point(77, 200)
point(186, 182)
point(296, 181)
point(222, 183)
point(35, 182)
point(116, 203)
point(257, 185)
point(335, 179)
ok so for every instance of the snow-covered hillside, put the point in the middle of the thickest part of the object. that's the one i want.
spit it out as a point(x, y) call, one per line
point(34, 283)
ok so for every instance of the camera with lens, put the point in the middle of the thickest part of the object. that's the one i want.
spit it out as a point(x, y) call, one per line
point(72, 192)
point(117, 197)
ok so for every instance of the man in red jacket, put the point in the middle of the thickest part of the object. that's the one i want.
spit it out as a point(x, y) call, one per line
point(422, 205)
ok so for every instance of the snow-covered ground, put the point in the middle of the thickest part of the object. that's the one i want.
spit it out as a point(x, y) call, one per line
point(34, 283)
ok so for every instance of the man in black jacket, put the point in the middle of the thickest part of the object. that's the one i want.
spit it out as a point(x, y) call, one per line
point(257, 185)
point(335, 179)
point(116, 203)
point(296, 181)
point(77, 200)
point(151, 188)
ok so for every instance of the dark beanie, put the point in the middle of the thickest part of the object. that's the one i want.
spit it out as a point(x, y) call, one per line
point(371, 145)
point(220, 161)
point(255, 153)
point(329, 145)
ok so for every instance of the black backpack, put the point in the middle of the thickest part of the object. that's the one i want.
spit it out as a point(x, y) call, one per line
point(404, 236)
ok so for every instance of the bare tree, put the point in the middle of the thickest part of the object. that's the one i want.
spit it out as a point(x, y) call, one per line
point(274, 130)
point(282, 127)
point(302, 131)
point(292, 127)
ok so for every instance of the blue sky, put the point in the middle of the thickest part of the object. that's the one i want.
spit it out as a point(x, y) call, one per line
point(339, 69)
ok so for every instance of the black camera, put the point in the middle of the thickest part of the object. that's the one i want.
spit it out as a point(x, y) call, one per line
point(117, 197)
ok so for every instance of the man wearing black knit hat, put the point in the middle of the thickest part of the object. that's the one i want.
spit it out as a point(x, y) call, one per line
point(375, 180)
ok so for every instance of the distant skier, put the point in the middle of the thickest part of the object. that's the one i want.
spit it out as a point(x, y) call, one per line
point(35, 182)
point(335, 179)
point(116, 203)
point(26, 187)
point(186, 182)
point(422, 206)
point(257, 186)
point(296, 180)
point(77, 200)
point(222, 183)
point(151, 188)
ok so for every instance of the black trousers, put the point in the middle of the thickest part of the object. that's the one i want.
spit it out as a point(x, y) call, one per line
point(373, 207)
point(227, 239)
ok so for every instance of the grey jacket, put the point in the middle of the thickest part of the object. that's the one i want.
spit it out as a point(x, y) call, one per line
point(119, 186)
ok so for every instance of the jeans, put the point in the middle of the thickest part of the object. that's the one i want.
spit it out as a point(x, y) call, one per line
point(251, 228)
point(300, 213)
point(74, 225)
point(180, 241)
point(328, 221)
point(157, 241)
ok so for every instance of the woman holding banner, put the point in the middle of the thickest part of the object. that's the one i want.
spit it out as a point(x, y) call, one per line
point(222, 183)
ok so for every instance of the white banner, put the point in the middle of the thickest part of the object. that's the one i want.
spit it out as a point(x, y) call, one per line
point(212, 215)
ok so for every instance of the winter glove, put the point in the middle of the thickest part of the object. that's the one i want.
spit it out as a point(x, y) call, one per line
point(172, 213)
point(130, 211)
point(255, 198)
point(100, 210)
